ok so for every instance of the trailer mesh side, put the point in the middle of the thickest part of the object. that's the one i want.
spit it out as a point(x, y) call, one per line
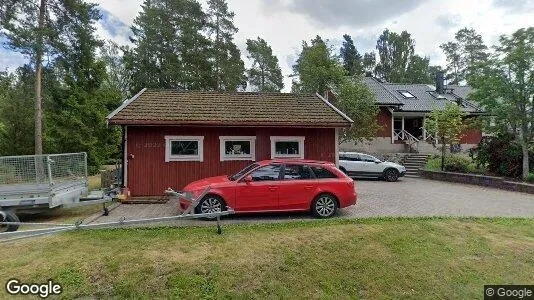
point(43, 169)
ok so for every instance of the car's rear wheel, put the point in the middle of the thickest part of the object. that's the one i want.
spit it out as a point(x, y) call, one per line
point(8, 216)
point(391, 175)
point(210, 204)
point(324, 206)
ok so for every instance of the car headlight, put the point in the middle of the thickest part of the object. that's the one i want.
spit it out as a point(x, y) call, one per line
point(187, 195)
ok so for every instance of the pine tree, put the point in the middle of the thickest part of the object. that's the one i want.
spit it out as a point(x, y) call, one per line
point(265, 74)
point(170, 50)
point(352, 60)
point(28, 28)
point(464, 55)
point(228, 67)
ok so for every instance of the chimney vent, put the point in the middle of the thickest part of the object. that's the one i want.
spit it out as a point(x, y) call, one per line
point(440, 84)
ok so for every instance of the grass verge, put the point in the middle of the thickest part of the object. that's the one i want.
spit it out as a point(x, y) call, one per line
point(369, 258)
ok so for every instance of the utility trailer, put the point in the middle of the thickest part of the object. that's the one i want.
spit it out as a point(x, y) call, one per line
point(34, 183)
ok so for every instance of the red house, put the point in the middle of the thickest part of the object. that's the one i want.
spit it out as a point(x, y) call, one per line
point(171, 137)
point(403, 112)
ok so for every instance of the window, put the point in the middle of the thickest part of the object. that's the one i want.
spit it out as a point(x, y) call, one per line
point(267, 173)
point(240, 174)
point(322, 173)
point(296, 172)
point(238, 148)
point(367, 158)
point(349, 157)
point(406, 94)
point(287, 147)
point(184, 148)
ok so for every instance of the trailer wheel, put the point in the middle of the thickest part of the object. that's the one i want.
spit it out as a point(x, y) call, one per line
point(8, 216)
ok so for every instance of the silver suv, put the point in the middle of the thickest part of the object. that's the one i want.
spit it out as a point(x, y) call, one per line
point(363, 165)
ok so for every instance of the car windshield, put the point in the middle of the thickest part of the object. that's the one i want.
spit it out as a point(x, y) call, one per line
point(240, 174)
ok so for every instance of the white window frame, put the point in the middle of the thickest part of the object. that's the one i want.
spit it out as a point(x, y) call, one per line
point(171, 138)
point(230, 157)
point(299, 139)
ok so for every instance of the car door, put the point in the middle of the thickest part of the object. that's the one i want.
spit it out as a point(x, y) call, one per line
point(261, 193)
point(297, 187)
point(369, 165)
point(356, 166)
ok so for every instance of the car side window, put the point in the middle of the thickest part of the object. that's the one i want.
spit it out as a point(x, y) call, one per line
point(266, 173)
point(297, 172)
point(322, 173)
point(367, 158)
point(350, 157)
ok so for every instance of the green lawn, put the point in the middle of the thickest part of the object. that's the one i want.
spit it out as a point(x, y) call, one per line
point(371, 258)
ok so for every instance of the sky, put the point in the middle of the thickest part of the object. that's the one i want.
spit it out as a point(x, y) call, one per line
point(284, 24)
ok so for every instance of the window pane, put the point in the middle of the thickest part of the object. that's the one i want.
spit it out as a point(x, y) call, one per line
point(297, 172)
point(270, 172)
point(237, 147)
point(322, 173)
point(184, 147)
point(287, 147)
point(243, 172)
point(367, 158)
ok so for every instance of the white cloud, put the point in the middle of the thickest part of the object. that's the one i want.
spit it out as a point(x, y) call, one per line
point(285, 23)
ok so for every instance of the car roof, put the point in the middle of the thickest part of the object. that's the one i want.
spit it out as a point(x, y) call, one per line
point(358, 153)
point(294, 161)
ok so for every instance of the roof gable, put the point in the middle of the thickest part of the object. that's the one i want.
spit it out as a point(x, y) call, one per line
point(173, 107)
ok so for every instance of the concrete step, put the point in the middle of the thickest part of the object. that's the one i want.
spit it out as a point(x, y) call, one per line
point(411, 162)
point(412, 176)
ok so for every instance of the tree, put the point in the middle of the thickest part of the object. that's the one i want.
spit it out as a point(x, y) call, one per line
point(419, 70)
point(447, 124)
point(265, 74)
point(504, 86)
point(352, 60)
point(317, 68)
point(369, 63)
point(16, 112)
point(464, 54)
point(25, 24)
point(395, 52)
point(228, 66)
point(118, 76)
point(357, 102)
point(79, 101)
point(169, 47)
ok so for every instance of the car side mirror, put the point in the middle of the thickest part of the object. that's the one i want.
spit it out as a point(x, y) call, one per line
point(247, 178)
point(377, 161)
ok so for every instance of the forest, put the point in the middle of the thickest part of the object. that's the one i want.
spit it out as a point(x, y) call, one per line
point(58, 100)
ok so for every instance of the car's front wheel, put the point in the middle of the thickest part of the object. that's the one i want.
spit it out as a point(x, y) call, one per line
point(391, 175)
point(324, 206)
point(210, 204)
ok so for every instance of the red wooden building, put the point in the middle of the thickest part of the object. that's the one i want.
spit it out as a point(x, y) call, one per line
point(171, 138)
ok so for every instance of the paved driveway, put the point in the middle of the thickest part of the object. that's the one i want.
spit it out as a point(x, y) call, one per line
point(422, 197)
point(408, 197)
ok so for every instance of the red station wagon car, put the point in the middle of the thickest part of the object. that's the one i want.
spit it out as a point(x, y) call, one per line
point(276, 185)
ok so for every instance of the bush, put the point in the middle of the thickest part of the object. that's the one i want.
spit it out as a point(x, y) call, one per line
point(502, 155)
point(454, 163)
point(530, 178)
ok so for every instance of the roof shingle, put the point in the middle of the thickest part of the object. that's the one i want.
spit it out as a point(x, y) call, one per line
point(173, 107)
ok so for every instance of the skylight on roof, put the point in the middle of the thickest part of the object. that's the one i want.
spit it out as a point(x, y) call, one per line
point(406, 94)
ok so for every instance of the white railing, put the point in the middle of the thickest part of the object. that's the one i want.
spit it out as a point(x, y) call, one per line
point(431, 140)
point(408, 138)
